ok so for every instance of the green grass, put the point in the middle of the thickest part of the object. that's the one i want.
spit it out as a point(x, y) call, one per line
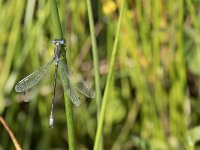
point(143, 64)
point(108, 82)
point(97, 70)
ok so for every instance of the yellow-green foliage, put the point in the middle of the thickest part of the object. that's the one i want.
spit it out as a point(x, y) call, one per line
point(153, 97)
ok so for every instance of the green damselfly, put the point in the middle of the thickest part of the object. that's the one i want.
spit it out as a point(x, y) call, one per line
point(70, 80)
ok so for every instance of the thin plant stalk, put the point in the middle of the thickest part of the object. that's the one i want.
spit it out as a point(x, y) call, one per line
point(96, 64)
point(55, 20)
point(109, 79)
point(12, 136)
point(68, 106)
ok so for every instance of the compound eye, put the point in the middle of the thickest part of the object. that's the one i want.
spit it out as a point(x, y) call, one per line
point(54, 42)
point(62, 42)
point(59, 42)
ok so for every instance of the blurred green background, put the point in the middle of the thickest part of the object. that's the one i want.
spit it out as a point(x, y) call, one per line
point(154, 99)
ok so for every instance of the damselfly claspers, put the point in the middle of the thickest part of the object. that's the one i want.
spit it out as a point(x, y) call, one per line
point(71, 81)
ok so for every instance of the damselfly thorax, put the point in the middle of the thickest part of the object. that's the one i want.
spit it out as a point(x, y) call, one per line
point(59, 44)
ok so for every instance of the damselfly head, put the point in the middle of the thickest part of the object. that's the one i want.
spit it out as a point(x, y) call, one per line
point(59, 42)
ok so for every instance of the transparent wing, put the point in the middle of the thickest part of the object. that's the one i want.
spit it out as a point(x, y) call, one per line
point(31, 80)
point(71, 92)
point(77, 81)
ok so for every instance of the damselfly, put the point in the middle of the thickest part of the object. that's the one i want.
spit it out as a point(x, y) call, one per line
point(71, 81)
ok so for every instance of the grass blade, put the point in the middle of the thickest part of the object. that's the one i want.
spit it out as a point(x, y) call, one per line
point(96, 64)
point(108, 82)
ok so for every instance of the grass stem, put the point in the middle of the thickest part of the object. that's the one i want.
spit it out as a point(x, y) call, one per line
point(55, 20)
point(96, 64)
point(12, 136)
point(109, 79)
point(68, 106)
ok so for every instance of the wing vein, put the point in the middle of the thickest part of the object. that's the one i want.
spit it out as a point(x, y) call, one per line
point(33, 79)
point(77, 81)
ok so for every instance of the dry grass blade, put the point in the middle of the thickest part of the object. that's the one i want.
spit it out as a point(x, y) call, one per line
point(12, 136)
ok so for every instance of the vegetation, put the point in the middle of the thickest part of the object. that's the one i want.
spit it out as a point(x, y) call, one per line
point(144, 64)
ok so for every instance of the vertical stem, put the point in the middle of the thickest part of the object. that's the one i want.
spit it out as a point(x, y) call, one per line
point(109, 79)
point(69, 112)
point(96, 64)
point(70, 122)
point(55, 20)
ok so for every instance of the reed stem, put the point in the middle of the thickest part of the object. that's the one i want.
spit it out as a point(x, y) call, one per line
point(58, 34)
